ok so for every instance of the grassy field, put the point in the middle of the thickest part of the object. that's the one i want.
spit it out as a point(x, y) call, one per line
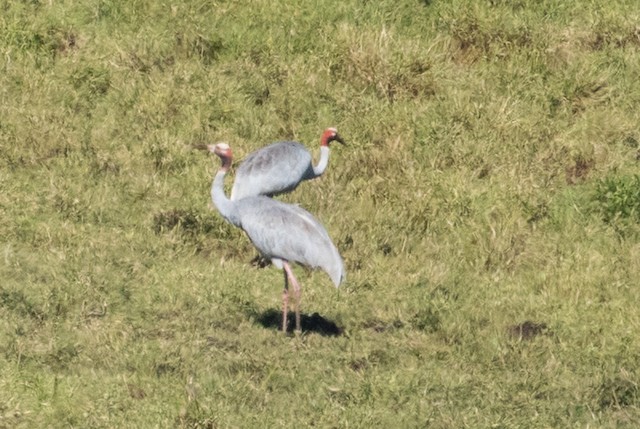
point(487, 207)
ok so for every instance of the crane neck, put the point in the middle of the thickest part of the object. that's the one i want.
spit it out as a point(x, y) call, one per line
point(225, 206)
point(319, 168)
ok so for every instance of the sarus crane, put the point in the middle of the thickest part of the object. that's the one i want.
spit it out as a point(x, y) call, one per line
point(280, 167)
point(283, 233)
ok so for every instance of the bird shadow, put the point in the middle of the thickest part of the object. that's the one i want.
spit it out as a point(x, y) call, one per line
point(308, 323)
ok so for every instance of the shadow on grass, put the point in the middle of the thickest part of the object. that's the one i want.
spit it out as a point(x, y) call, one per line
point(260, 261)
point(314, 323)
point(527, 330)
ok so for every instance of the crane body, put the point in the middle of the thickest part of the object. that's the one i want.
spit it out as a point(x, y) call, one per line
point(281, 232)
point(280, 167)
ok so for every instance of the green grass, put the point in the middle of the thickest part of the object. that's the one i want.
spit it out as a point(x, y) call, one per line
point(486, 206)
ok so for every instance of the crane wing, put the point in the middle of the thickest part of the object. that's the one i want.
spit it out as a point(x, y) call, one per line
point(272, 170)
point(289, 232)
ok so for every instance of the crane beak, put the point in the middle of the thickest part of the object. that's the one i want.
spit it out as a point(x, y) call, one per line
point(339, 139)
point(207, 147)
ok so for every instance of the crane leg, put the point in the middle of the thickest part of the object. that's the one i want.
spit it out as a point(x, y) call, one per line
point(285, 301)
point(296, 291)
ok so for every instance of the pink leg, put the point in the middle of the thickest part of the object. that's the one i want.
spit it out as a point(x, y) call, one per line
point(285, 302)
point(296, 291)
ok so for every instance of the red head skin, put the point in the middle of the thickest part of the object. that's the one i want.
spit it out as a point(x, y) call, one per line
point(329, 135)
point(224, 152)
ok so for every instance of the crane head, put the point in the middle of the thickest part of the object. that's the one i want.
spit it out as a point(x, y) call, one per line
point(223, 147)
point(329, 135)
point(223, 151)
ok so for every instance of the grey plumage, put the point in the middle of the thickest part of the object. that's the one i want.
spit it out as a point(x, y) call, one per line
point(287, 232)
point(280, 167)
point(281, 232)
